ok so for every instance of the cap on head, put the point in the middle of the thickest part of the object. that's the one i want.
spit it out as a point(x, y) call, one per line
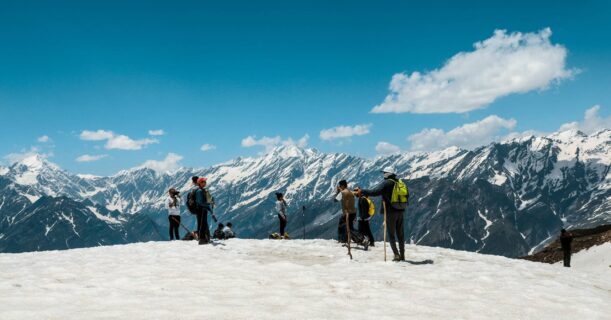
point(389, 170)
point(201, 180)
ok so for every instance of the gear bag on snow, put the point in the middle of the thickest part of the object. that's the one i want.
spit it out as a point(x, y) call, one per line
point(400, 195)
point(372, 207)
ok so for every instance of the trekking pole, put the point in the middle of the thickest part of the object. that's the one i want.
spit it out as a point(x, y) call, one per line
point(184, 227)
point(348, 233)
point(303, 220)
point(384, 206)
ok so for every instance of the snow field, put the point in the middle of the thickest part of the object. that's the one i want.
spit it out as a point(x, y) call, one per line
point(271, 279)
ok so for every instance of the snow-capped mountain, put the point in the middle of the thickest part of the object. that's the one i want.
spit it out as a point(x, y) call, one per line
point(504, 198)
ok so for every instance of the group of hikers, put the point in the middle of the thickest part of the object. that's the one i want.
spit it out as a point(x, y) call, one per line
point(199, 202)
point(393, 191)
point(394, 194)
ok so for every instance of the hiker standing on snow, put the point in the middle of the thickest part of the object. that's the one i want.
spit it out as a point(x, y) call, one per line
point(204, 205)
point(394, 197)
point(281, 209)
point(174, 213)
point(565, 241)
point(347, 201)
point(366, 212)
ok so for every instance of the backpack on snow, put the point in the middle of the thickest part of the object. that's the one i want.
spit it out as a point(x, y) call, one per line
point(191, 202)
point(400, 195)
point(372, 208)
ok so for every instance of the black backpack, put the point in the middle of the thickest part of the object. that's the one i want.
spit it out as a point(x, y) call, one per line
point(191, 202)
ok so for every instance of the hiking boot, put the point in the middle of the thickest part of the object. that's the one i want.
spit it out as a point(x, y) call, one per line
point(397, 258)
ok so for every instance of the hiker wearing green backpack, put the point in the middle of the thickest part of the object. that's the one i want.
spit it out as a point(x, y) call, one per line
point(366, 211)
point(394, 195)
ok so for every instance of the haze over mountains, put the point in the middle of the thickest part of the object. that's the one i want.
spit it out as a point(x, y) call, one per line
point(505, 198)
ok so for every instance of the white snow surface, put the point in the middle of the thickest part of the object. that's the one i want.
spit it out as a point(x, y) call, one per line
point(272, 279)
point(594, 259)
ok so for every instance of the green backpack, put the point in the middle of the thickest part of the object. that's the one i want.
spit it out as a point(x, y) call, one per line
point(400, 195)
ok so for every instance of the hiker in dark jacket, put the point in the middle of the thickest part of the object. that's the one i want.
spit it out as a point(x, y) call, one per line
point(565, 241)
point(394, 217)
point(204, 204)
point(364, 217)
point(281, 208)
point(218, 233)
point(347, 202)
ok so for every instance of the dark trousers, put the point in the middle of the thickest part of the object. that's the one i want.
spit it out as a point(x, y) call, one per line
point(341, 226)
point(394, 227)
point(366, 231)
point(174, 224)
point(567, 257)
point(283, 222)
point(203, 231)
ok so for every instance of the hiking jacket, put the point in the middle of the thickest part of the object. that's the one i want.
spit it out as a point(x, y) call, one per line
point(281, 209)
point(228, 233)
point(565, 241)
point(363, 209)
point(201, 198)
point(384, 189)
point(173, 210)
point(347, 200)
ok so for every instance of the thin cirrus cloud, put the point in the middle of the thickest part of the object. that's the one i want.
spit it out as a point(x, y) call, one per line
point(43, 139)
point(271, 142)
point(342, 132)
point(504, 64)
point(90, 158)
point(116, 141)
point(467, 136)
point(170, 163)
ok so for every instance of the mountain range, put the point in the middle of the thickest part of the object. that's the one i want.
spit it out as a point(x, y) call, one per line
point(507, 198)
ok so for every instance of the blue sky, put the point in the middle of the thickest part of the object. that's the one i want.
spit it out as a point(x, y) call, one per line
point(218, 72)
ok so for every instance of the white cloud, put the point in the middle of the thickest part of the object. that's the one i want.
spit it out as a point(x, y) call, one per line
point(344, 132)
point(114, 141)
point(159, 132)
point(591, 123)
point(90, 158)
point(207, 147)
point(501, 65)
point(44, 139)
point(170, 163)
point(385, 148)
point(123, 142)
point(271, 142)
point(96, 135)
point(467, 136)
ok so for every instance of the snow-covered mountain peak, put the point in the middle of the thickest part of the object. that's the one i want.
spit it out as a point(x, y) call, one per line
point(35, 162)
point(3, 170)
point(291, 151)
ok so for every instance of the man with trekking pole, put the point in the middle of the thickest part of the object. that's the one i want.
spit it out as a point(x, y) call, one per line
point(347, 201)
point(395, 196)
